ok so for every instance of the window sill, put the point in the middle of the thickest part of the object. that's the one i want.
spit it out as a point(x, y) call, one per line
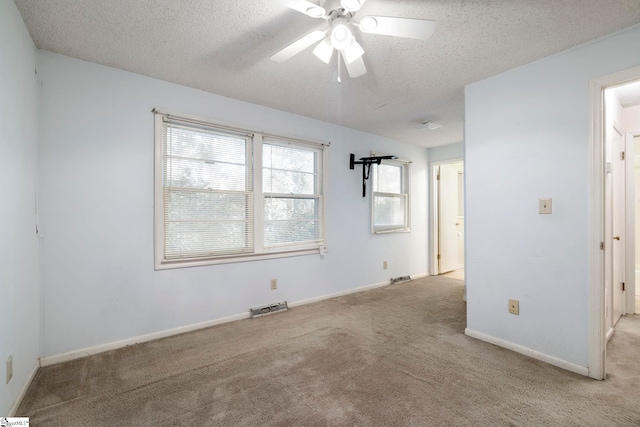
point(199, 262)
point(395, 230)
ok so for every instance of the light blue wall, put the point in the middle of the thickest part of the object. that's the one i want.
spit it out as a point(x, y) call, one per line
point(20, 315)
point(526, 138)
point(97, 152)
point(446, 152)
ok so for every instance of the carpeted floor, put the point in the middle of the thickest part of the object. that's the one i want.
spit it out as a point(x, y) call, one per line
point(394, 356)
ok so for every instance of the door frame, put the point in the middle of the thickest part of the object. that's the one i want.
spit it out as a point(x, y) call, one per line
point(596, 326)
point(433, 224)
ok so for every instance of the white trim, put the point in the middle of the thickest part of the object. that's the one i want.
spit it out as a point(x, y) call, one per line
point(23, 391)
point(88, 351)
point(596, 236)
point(433, 210)
point(609, 334)
point(597, 336)
point(630, 242)
point(528, 352)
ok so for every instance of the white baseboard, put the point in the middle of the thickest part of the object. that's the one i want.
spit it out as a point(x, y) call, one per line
point(350, 291)
point(609, 334)
point(23, 391)
point(338, 294)
point(529, 352)
point(77, 354)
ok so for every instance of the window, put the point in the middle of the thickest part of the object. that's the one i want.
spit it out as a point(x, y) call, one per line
point(390, 199)
point(214, 203)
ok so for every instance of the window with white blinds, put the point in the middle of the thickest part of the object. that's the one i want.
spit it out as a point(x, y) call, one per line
point(390, 199)
point(292, 188)
point(215, 204)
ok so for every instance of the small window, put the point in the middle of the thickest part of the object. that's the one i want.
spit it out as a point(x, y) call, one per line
point(215, 204)
point(390, 198)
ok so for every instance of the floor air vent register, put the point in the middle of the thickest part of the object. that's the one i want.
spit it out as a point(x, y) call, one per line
point(268, 309)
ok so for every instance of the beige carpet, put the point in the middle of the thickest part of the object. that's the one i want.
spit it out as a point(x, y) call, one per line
point(394, 356)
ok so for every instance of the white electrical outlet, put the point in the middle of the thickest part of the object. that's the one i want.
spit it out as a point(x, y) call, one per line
point(9, 369)
point(384, 265)
point(274, 284)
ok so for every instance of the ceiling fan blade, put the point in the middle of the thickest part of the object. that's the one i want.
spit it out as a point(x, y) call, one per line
point(420, 29)
point(353, 52)
point(324, 50)
point(298, 46)
point(352, 5)
point(306, 7)
point(356, 68)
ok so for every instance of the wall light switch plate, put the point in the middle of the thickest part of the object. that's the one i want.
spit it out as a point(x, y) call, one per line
point(544, 206)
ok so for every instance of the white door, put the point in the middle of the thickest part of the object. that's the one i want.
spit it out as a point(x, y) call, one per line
point(449, 224)
point(618, 224)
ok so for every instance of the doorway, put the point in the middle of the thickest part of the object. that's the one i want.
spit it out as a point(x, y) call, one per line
point(615, 110)
point(448, 215)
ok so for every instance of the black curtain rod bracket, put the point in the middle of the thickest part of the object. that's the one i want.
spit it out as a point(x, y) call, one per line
point(366, 163)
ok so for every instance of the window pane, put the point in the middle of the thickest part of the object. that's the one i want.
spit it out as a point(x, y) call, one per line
point(388, 179)
point(288, 158)
point(199, 174)
point(288, 220)
point(192, 239)
point(198, 206)
point(195, 143)
point(277, 181)
point(208, 204)
point(389, 211)
point(289, 170)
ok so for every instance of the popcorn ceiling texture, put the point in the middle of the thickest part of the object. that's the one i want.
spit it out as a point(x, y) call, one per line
point(223, 47)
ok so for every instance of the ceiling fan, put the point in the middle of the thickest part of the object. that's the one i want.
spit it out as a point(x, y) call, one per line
point(339, 35)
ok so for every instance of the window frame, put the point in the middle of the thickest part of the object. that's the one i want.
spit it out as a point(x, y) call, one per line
point(405, 168)
point(260, 250)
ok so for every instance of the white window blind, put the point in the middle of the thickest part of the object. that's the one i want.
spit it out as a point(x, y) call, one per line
point(207, 190)
point(390, 201)
point(292, 190)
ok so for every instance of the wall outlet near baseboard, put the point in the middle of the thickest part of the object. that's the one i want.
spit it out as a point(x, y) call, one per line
point(514, 306)
point(274, 284)
point(384, 265)
point(9, 369)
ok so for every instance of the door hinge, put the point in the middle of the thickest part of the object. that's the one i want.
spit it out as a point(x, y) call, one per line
point(623, 286)
point(622, 156)
point(602, 246)
point(438, 177)
point(438, 256)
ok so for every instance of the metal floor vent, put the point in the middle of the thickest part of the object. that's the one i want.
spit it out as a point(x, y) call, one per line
point(268, 309)
point(400, 279)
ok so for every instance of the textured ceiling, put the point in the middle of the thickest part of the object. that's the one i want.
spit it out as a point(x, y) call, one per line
point(223, 47)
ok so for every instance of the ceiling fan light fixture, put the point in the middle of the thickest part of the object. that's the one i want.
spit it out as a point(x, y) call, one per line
point(352, 5)
point(315, 12)
point(368, 23)
point(341, 36)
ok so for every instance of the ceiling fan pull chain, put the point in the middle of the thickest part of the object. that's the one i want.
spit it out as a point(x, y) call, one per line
point(339, 60)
